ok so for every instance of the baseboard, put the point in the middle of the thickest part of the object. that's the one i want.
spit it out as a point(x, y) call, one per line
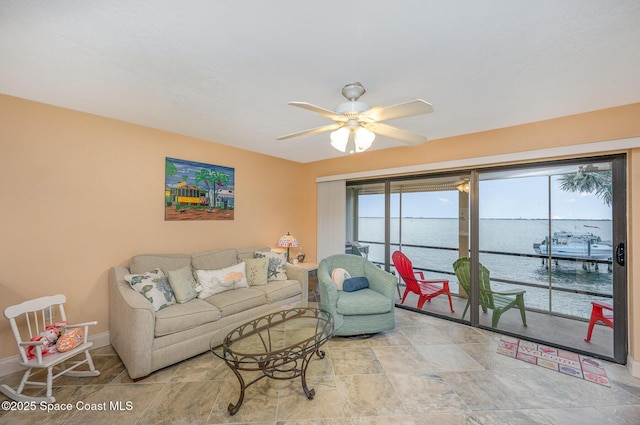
point(11, 365)
point(633, 366)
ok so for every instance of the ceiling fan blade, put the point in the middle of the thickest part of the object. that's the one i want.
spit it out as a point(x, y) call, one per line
point(322, 129)
point(396, 133)
point(319, 110)
point(407, 109)
point(370, 114)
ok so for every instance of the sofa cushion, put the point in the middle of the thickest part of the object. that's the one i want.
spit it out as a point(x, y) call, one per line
point(216, 259)
point(277, 268)
point(180, 317)
point(165, 262)
point(231, 302)
point(183, 284)
point(256, 269)
point(154, 286)
point(244, 253)
point(339, 275)
point(364, 301)
point(216, 281)
point(278, 290)
point(355, 284)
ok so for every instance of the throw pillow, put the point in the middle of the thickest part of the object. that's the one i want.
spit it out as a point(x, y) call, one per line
point(70, 339)
point(183, 284)
point(338, 276)
point(154, 286)
point(217, 281)
point(355, 284)
point(257, 270)
point(277, 268)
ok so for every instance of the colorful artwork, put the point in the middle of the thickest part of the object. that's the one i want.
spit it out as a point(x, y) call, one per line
point(198, 191)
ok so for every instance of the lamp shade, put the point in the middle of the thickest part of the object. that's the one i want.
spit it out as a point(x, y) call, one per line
point(288, 241)
point(339, 138)
point(364, 139)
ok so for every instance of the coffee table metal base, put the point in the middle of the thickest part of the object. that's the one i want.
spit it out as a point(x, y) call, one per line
point(282, 369)
point(278, 346)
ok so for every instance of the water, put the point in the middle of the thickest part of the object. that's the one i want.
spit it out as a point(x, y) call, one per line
point(515, 236)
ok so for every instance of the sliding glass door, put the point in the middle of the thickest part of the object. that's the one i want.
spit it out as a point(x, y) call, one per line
point(547, 232)
point(426, 219)
point(427, 226)
point(544, 245)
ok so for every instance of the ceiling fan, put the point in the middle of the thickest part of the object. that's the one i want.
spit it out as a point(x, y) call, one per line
point(362, 121)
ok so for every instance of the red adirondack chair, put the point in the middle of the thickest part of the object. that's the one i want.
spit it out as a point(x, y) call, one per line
point(600, 312)
point(425, 289)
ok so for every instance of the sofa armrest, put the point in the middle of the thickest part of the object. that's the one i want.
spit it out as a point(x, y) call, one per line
point(131, 324)
point(301, 275)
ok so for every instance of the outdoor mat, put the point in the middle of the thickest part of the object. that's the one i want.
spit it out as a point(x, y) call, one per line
point(555, 359)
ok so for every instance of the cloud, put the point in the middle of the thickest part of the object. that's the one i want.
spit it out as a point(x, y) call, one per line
point(444, 201)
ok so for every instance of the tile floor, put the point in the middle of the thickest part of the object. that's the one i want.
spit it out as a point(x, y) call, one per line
point(426, 371)
point(563, 331)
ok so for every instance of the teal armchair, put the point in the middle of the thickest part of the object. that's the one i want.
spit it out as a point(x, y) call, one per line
point(365, 311)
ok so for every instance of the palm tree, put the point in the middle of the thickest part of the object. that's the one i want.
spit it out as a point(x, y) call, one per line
point(170, 168)
point(221, 180)
point(208, 178)
point(589, 182)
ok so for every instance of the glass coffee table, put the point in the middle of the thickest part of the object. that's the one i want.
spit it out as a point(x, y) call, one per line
point(280, 345)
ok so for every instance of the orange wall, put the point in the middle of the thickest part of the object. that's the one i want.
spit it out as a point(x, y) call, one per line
point(81, 193)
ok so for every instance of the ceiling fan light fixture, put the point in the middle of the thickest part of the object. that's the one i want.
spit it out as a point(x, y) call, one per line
point(363, 121)
point(464, 186)
point(339, 138)
point(364, 139)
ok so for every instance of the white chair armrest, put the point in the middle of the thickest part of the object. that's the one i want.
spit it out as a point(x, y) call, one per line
point(77, 325)
point(86, 328)
point(38, 344)
point(30, 343)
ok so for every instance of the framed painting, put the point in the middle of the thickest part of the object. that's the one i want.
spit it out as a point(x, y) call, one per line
point(198, 191)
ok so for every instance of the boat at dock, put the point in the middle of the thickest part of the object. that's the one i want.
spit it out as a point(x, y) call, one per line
point(575, 245)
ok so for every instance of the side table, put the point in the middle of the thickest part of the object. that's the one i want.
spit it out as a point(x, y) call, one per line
point(311, 276)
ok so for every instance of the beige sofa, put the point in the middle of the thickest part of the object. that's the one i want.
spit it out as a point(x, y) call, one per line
point(147, 340)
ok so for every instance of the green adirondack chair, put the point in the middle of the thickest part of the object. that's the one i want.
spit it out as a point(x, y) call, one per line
point(499, 302)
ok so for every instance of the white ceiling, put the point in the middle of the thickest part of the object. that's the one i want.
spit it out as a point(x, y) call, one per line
point(224, 70)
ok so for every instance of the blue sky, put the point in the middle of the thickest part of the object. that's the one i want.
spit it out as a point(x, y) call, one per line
point(189, 168)
point(510, 198)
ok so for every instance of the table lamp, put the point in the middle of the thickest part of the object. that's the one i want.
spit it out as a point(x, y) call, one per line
point(288, 241)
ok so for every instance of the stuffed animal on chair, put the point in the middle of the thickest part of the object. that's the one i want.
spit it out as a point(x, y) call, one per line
point(50, 336)
point(70, 339)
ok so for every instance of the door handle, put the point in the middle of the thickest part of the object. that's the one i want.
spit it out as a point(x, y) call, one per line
point(620, 254)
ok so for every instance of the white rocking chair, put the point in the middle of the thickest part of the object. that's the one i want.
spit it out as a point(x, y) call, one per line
point(32, 317)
